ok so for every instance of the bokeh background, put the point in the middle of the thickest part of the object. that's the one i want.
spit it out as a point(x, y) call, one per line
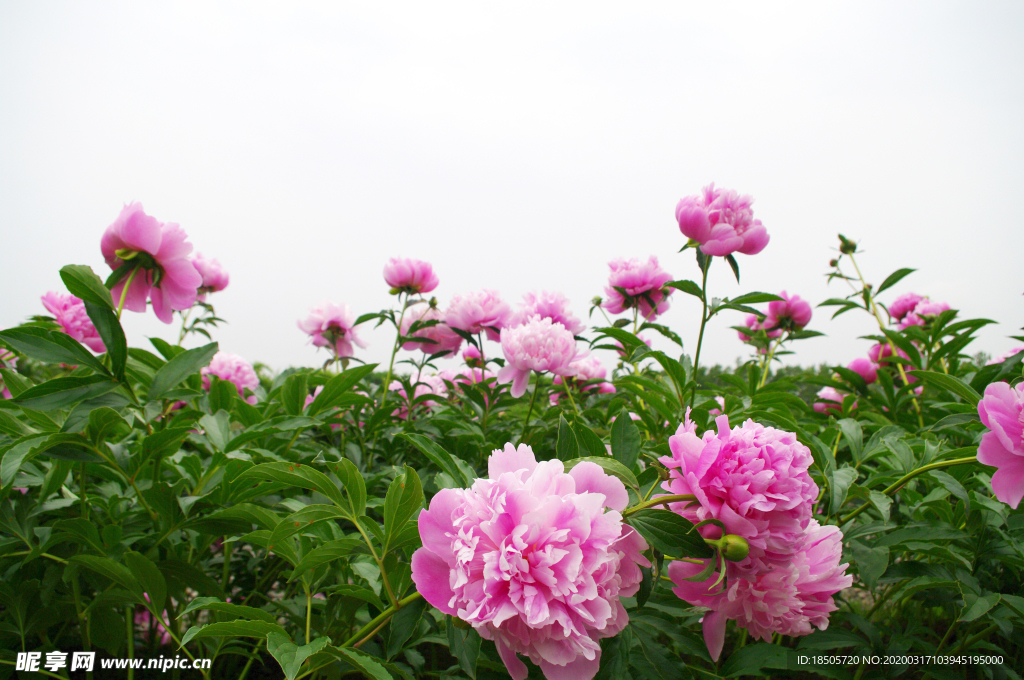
point(518, 148)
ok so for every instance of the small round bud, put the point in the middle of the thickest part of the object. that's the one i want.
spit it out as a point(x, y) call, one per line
point(734, 548)
point(833, 263)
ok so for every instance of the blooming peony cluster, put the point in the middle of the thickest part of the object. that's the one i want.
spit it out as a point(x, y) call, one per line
point(535, 559)
point(554, 306)
point(70, 313)
point(215, 278)
point(477, 312)
point(405, 275)
point(235, 370)
point(754, 480)
point(331, 325)
point(791, 312)
point(159, 251)
point(1002, 412)
point(865, 368)
point(633, 283)
point(436, 338)
point(903, 305)
point(540, 345)
point(911, 309)
point(722, 221)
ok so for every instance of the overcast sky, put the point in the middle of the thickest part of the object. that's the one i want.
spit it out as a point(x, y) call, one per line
point(517, 147)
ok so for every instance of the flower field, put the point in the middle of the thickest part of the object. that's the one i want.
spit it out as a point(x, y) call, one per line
point(565, 503)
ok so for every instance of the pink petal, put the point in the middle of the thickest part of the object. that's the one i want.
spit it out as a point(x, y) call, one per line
point(714, 633)
point(516, 668)
point(580, 669)
point(592, 477)
point(430, 574)
point(139, 231)
point(510, 459)
point(435, 524)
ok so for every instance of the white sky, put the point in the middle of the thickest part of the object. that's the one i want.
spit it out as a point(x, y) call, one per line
point(517, 148)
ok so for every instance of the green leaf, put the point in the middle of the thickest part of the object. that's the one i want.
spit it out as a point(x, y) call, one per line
point(64, 392)
point(734, 265)
point(610, 465)
point(566, 448)
point(83, 282)
point(625, 440)
point(403, 624)
point(82, 531)
point(671, 534)
point(753, 299)
point(881, 502)
point(291, 656)
point(975, 606)
point(15, 382)
point(217, 428)
point(752, 659)
point(150, 578)
point(237, 628)
point(871, 562)
point(839, 482)
point(214, 604)
point(106, 425)
point(53, 347)
point(950, 383)
point(112, 570)
point(296, 474)
point(687, 287)
point(363, 662)
point(180, 367)
point(327, 553)
point(854, 436)
point(354, 484)
point(589, 442)
point(464, 645)
point(954, 487)
point(294, 393)
point(403, 500)
point(109, 329)
point(440, 458)
point(893, 278)
point(338, 386)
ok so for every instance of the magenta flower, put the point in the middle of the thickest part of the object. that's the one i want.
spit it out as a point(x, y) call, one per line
point(444, 338)
point(235, 370)
point(406, 275)
point(331, 325)
point(535, 559)
point(1002, 412)
point(144, 624)
point(160, 251)
point(70, 313)
point(554, 306)
point(928, 309)
point(831, 400)
point(903, 305)
point(480, 311)
point(865, 368)
point(790, 599)
point(752, 478)
point(539, 345)
point(633, 283)
point(722, 222)
point(755, 324)
point(788, 313)
point(215, 279)
point(1006, 355)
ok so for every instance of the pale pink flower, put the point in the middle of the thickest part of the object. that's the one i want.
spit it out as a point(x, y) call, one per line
point(70, 313)
point(1006, 355)
point(633, 283)
point(929, 309)
point(721, 407)
point(444, 338)
point(1002, 412)
point(790, 599)
point(535, 559)
point(539, 345)
point(479, 311)
point(471, 355)
point(789, 313)
point(235, 370)
point(831, 400)
point(904, 304)
point(167, 277)
point(331, 325)
point(865, 368)
point(722, 221)
point(752, 478)
point(590, 377)
point(423, 385)
point(409, 276)
point(215, 278)
point(554, 306)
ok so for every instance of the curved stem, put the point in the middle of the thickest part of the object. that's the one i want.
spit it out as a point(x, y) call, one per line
point(703, 322)
point(768, 361)
point(380, 619)
point(124, 291)
point(907, 477)
point(660, 500)
point(394, 350)
point(529, 413)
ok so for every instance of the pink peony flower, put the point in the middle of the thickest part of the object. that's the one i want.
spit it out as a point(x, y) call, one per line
point(790, 599)
point(554, 306)
point(167, 277)
point(444, 338)
point(71, 315)
point(539, 345)
point(904, 304)
point(331, 325)
point(9, 361)
point(1002, 412)
point(535, 559)
point(215, 279)
point(406, 275)
point(235, 370)
point(865, 368)
point(590, 376)
point(928, 309)
point(633, 283)
point(755, 324)
point(721, 407)
point(831, 400)
point(790, 312)
point(1013, 351)
point(422, 385)
point(752, 478)
point(471, 355)
point(722, 221)
point(480, 311)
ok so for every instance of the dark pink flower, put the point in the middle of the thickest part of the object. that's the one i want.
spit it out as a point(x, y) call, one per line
point(1002, 412)
point(788, 313)
point(633, 283)
point(722, 221)
point(477, 312)
point(554, 306)
point(539, 345)
point(235, 370)
point(331, 325)
point(70, 313)
point(865, 368)
point(755, 324)
point(161, 250)
point(535, 559)
point(831, 400)
point(904, 304)
point(444, 338)
point(406, 275)
point(215, 278)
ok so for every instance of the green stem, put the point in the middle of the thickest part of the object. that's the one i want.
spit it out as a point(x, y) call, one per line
point(660, 500)
point(945, 638)
point(966, 644)
point(124, 291)
point(226, 547)
point(394, 350)
point(907, 477)
point(309, 608)
point(768, 361)
point(529, 413)
point(184, 320)
point(703, 322)
point(381, 618)
point(130, 625)
point(568, 393)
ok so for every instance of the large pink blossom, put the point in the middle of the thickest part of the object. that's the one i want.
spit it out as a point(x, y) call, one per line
point(410, 276)
point(753, 478)
point(546, 305)
point(70, 313)
point(215, 277)
point(444, 338)
point(1002, 412)
point(235, 370)
point(904, 304)
point(535, 559)
point(722, 221)
point(791, 312)
point(540, 345)
point(166, 276)
point(477, 312)
point(865, 368)
point(331, 325)
point(791, 599)
point(633, 283)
